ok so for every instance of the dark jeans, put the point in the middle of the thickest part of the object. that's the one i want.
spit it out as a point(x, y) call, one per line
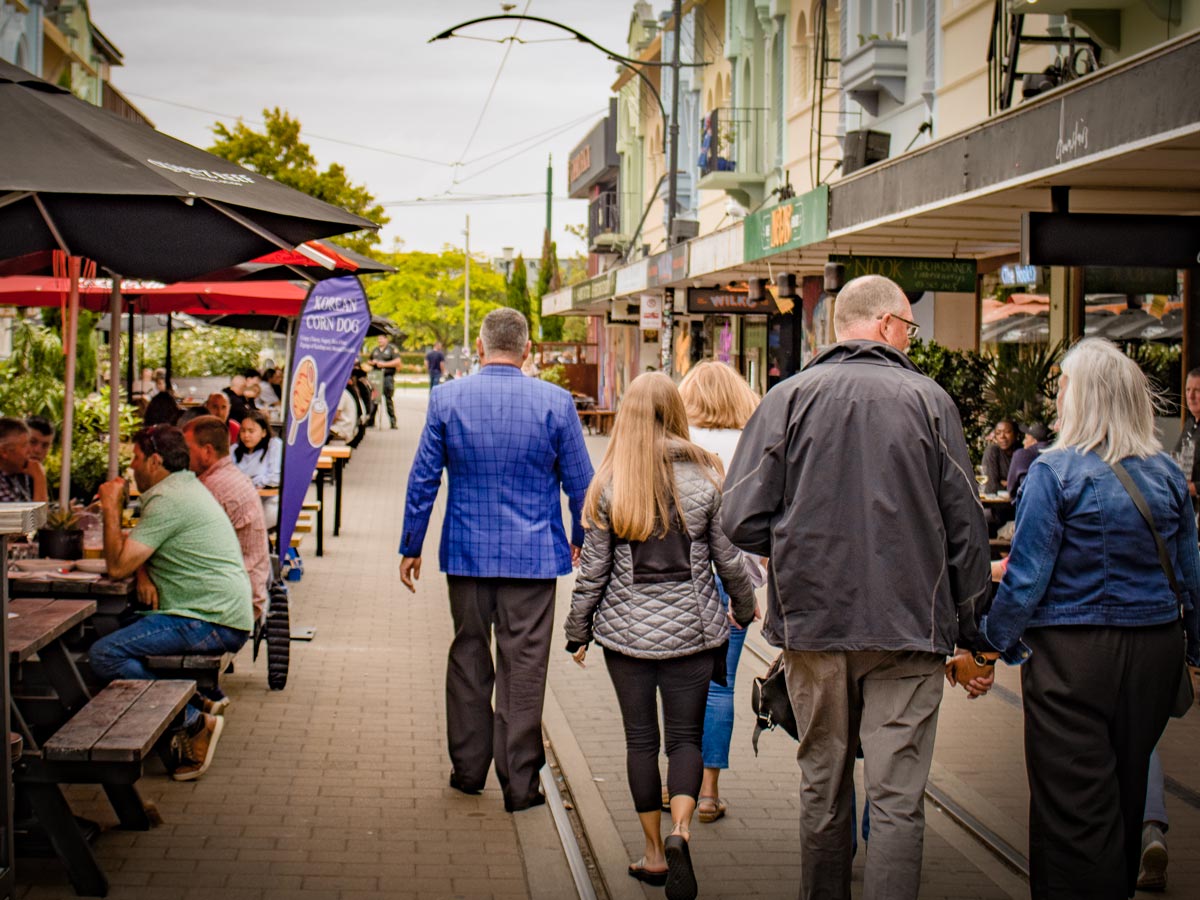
point(521, 614)
point(1096, 701)
point(435, 378)
point(683, 683)
point(123, 653)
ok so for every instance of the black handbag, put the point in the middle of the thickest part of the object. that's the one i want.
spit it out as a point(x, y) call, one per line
point(771, 703)
point(1185, 694)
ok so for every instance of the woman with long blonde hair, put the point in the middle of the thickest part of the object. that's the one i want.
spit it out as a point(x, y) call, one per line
point(646, 593)
point(719, 402)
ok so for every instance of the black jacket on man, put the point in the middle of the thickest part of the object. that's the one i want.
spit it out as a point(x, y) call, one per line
point(853, 477)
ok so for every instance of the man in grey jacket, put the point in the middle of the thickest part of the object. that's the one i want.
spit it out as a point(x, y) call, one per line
point(854, 478)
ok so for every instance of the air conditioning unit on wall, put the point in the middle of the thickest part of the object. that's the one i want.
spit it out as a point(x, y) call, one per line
point(864, 148)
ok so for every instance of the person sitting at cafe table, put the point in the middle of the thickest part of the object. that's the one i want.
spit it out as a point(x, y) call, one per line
point(22, 478)
point(208, 449)
point(260, 456)
point(998, 456)
point(190, 574)
point(1036, 439)
point(218, 405)
point(41, 438)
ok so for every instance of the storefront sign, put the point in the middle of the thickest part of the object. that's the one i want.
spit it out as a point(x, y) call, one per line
point(791, 225)
point(651, 318)
point(668, 266)
point(631, 279)
point(595, 157)
point(592, 291)
point(1129, 280)
point(913, 274)
point(1096, 239)
point(718, 251)
point(1013, 276)
point(557, 302)
point(332, 328)
point(718, 300)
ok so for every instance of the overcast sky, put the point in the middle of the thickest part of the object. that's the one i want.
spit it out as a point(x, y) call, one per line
point(361, 71)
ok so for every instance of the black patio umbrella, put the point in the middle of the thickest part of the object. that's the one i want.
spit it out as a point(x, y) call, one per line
point(78, 183)
point(1125, 325)
point(280, 324)
point(77, 178)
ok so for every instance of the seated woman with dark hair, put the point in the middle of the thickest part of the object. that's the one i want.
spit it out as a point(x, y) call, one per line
point(260, 456)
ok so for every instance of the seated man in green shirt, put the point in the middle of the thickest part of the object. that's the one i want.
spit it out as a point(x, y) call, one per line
point(197, 586)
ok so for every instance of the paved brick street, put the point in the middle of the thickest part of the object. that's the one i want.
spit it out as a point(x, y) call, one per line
point(336, 787)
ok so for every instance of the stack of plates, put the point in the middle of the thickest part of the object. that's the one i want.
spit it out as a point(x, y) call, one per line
point(51, 566)
point(21, 518)
point(94, 566)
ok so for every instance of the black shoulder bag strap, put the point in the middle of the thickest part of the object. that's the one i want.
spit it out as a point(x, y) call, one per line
point(1186, 694)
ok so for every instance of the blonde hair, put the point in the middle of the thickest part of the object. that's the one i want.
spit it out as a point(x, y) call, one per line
point(1105, 403)
point(649, 433)
point(716, 396)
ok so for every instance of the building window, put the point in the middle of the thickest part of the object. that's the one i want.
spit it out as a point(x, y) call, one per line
point(899, 18)
point(801, 63)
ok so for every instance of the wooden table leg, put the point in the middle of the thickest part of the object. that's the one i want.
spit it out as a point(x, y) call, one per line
point(320, 513)
point(337, 495)
point(131, 810)
point(64, 677)
point(51, 810)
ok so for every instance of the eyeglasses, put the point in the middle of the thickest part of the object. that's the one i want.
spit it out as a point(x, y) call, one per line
point(913, 328)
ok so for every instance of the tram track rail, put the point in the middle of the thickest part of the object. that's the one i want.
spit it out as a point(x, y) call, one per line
point(974, 826)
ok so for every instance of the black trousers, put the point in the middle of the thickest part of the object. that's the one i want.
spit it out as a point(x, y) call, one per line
point(389, 388)
point(521, 614)
point(1096, 702)
point(683, 683)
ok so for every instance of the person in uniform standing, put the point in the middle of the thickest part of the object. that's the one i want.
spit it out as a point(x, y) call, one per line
point(386, 358)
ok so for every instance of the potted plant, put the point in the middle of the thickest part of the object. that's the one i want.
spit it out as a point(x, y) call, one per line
point(61, 538)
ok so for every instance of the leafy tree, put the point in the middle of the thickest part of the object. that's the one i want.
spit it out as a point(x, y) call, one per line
point(965, 375)
point(278, 153)
point(517, 288)
point(424, 296)
point(549, 279)
point(202, 350)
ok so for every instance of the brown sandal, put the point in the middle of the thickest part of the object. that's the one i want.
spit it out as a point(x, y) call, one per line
point(709, 809)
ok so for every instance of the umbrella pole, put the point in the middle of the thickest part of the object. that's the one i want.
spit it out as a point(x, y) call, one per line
point(167, 356)
point(129, 362)
point(114, 378)
point(69, 340)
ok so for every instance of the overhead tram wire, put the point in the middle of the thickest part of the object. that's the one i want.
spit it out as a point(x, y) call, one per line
point(307, 134)
point(556, 129)
point(491, 90)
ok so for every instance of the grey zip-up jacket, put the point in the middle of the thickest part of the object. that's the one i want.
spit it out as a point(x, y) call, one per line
point(853, 477)
point(658, 599)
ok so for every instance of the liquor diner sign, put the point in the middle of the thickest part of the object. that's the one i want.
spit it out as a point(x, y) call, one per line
point(913, 274)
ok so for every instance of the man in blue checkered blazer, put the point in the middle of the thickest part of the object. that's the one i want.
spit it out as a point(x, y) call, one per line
point(510, 445)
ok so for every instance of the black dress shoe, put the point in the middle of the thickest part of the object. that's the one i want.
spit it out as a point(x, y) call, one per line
point(535, 800)
point(463, 786)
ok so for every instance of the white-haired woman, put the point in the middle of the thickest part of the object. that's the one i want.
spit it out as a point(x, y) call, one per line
point(1085, 589)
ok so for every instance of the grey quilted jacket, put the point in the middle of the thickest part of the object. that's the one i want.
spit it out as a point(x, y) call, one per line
point(658, 599)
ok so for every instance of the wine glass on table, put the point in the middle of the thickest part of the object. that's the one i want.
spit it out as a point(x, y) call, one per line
point(981, 479)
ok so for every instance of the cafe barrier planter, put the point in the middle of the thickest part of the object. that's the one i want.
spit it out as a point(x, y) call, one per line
point(60, 544)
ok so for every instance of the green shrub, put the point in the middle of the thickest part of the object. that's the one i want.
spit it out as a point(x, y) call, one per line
point(964, 375)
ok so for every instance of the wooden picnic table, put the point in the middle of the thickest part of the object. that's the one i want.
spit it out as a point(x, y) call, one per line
point(597, 421)
point(340, 455)
point(59, 731)
point(113, 596)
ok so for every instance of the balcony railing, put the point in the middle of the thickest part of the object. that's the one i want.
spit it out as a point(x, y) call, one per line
point(604, 216)
point(732, 140)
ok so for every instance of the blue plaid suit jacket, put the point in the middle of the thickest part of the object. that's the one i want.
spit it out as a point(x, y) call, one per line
point(507, 443)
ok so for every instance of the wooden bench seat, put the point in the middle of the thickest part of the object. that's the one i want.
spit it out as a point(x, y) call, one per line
point(121, 724)
point(204, 668)
point(311, 505)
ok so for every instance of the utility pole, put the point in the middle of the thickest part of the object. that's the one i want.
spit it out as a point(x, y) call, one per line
point(549, 188)
point(467, 295)
point(673, 163)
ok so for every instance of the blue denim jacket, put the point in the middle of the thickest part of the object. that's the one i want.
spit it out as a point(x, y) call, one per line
point(1083, 555)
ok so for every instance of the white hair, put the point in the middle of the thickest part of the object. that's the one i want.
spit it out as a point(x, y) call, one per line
point(1106, 403)
point(865, 299)
point(505, 332)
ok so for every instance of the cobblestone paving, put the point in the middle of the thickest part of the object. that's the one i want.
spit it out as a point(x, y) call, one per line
point(335, 787)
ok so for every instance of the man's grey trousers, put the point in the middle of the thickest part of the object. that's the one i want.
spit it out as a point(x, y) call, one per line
point(889, 700)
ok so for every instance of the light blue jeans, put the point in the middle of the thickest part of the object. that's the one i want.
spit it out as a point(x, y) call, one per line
point(123, 653)
point(1156, 805)
point(718, 714)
